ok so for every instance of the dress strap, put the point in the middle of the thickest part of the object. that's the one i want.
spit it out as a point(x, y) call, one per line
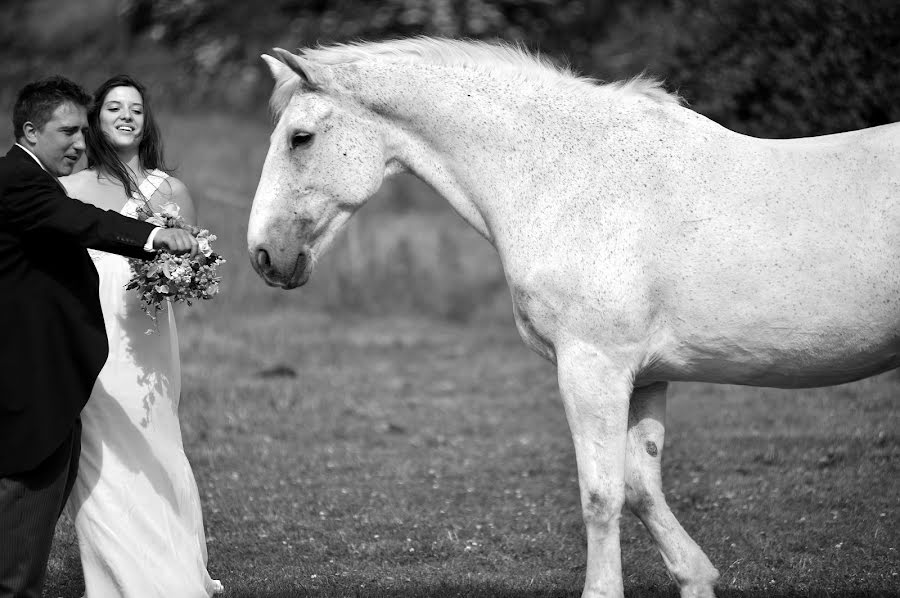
point(151, 184)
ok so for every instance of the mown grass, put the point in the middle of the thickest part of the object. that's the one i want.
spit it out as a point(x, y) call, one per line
point(421, 449)
point(413, 457)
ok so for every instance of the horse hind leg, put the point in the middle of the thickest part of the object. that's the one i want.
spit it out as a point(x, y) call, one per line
point(685, 561)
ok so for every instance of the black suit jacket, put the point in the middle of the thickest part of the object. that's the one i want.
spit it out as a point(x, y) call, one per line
point(52, 337)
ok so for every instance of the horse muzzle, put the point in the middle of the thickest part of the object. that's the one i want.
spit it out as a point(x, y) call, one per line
point(287, 274)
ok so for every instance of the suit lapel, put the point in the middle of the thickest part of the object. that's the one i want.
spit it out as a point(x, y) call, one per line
point(58, 184)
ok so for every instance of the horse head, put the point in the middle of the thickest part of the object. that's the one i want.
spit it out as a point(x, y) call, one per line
point(326, 158)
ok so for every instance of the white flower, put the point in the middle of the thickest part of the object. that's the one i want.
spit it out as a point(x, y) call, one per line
point(170, 209)
point(203, 244)
point(156, 221)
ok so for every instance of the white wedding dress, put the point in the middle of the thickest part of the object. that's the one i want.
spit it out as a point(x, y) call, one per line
point(135, 502)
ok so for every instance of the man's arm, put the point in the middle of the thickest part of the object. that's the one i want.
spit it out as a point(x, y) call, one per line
point(36, 204)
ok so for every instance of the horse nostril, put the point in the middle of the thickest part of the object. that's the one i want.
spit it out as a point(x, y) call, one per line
point(262, 259)
point(300, 273)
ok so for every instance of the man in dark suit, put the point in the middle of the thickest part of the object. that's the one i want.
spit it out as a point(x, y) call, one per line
point(52, 337)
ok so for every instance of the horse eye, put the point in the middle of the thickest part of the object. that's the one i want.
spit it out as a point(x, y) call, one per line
point(300, 139)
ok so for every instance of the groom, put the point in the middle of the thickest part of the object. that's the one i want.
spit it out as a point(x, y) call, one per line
point(52, 336)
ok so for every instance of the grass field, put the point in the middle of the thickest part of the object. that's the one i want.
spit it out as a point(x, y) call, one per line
point(412, 457)
point(421, 449)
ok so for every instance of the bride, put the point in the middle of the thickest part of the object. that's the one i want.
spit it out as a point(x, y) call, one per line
point(135, 501)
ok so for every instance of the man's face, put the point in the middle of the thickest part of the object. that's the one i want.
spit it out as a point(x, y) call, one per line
point(60, 143)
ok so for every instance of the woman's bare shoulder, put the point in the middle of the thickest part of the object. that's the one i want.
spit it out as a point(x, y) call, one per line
point(83, 185)
point(173, 190)
point(78, 180)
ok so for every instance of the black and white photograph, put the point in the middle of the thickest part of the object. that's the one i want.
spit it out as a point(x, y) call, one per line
point(450, 298)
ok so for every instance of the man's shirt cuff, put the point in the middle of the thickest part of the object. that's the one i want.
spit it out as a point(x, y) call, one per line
point(148, 246)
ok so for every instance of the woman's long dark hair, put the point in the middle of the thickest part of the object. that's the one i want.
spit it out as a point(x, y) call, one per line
point(100, 152)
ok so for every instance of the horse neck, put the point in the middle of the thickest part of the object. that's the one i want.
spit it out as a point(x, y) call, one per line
point(480, 141)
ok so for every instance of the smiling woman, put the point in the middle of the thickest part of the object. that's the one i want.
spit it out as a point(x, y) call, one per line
point(133, 470)
point(122, 117)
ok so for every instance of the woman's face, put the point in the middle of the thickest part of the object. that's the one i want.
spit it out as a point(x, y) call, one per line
point(122, 117)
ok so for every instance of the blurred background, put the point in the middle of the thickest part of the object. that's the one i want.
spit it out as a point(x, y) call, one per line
point(770, 69)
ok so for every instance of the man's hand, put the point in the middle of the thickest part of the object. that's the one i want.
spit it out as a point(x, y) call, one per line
point(175, 240)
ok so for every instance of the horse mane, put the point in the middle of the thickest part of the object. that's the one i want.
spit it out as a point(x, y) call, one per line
point(529, 66)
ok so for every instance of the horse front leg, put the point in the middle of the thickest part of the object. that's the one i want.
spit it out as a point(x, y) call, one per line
point(596, 391)
point(685, 561)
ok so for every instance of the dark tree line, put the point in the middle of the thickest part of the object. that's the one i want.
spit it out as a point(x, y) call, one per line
point(786, 68)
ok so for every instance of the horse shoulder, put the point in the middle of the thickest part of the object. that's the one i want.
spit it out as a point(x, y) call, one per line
point(611, 308)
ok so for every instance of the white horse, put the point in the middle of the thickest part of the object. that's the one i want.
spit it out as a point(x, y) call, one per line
point(642, 242)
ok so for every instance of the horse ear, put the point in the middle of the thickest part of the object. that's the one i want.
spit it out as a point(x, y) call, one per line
point(276, 67)
point(309, 74)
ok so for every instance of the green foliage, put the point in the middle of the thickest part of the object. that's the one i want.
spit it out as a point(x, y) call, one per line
point(774, 69)
point(788, 68)
point(313, 22)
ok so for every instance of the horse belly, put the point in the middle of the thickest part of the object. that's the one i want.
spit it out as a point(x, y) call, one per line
point(780, 357)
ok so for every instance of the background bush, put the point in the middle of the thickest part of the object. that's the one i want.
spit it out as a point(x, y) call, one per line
point(772, 69)
point(793, 67)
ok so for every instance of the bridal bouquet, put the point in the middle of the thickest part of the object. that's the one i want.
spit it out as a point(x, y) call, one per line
point(174, 277)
